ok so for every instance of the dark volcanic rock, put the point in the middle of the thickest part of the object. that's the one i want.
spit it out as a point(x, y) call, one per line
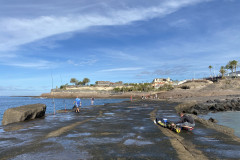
point(194, 111)
point(213, 120)
point(23, 113)
point(209, 101)
point(219, 107)
point(217, 100)
point(212, 108)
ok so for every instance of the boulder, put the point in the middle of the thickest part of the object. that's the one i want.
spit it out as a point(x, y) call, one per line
point(217, 100)
point(213, 120)
point(219, 107)
point(23, 113)
point(234, 101)
point(212, 108)
point(194, 111)
point(209, 101)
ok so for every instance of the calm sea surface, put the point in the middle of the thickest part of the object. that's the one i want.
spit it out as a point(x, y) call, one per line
point(230, 119)
point(10, 102)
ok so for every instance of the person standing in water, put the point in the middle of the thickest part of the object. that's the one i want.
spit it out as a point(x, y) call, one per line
point(92, 100)
point(78, 104)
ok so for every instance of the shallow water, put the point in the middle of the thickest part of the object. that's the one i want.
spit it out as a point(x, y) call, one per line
point(230, 119)
point(61, 103)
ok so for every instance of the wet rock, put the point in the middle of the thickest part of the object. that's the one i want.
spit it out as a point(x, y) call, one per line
point(219, 107)
point(234, 101)
point(237, 108)
point(212, 108)
point(217, 100)
point(228, 105)
point(209, 101)
point(213, 120)
point(23, 113)
point(194, 111)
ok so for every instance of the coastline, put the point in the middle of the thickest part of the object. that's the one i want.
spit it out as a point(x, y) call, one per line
point(136, 95)
point(128, 126)
point(202, 98)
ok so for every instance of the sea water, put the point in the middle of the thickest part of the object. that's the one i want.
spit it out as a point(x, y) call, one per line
point(230, 119)
point(60, 103)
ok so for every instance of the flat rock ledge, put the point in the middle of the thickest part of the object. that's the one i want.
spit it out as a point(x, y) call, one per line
point(23, 113)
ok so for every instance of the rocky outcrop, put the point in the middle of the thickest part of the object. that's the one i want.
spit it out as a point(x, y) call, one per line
point(23, 113)
point(216, 105)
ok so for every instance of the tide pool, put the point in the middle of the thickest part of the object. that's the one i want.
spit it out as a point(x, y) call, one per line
point(230, 119)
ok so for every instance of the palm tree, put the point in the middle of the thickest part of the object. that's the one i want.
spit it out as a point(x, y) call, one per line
point(235, 65)
point(74, 80)
point(230, 66)
point(210, 67)
point(86, 81)
point(222, 71)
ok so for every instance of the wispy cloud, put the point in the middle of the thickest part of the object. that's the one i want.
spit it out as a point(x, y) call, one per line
point(121, 69)
point(118, 54)
point(36, 64)
point(82, 62)
point(16, 32)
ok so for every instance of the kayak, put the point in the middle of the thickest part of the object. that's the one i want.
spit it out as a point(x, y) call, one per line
point(163, 122)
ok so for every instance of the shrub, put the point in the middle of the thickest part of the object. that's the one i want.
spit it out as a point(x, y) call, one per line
point(185, 87)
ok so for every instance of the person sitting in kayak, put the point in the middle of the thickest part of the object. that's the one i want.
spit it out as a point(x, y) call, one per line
point(185, 121)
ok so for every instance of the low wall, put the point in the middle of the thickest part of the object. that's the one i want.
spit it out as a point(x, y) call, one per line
point(95, 94)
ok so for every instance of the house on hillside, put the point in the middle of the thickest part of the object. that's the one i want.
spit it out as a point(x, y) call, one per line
point(103, 83)
point(158, 82)
point(233, 74)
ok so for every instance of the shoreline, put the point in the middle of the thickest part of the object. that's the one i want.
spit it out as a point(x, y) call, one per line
point(124, 125)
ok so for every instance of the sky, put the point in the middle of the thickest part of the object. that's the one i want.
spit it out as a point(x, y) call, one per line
point(43, 44)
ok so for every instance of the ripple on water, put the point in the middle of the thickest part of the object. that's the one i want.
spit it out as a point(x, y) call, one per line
point(207, 139)
point(78, 135)
point(224, 153)
point(109, 114)
point(136, 142)
point(62, 154)
point(92, 140)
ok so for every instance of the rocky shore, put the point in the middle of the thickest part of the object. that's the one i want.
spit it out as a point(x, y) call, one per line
point(216, 105)
point(115, 131)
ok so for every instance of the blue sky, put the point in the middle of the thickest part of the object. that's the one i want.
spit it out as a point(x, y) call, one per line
point(127, 40)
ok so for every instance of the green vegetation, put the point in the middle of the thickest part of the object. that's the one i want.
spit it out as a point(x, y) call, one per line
point(210, 68)
point(231, 65)
point(222, 71)
point(74, 81)
point(185, 87)
point(64, 87)
point(77, 82)
point(85, 81)
point(142, 87)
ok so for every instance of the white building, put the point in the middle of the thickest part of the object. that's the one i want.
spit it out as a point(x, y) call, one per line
point(158, 82)
point(233, 74)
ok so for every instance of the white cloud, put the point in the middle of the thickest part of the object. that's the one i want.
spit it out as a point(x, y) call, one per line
point(38, 64)
point(117, 54)
point(16, 32)
point(121, 69)
point(82, 62)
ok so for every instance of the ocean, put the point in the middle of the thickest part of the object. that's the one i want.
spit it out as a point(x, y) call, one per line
point(230, 119)
point(61, 103)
